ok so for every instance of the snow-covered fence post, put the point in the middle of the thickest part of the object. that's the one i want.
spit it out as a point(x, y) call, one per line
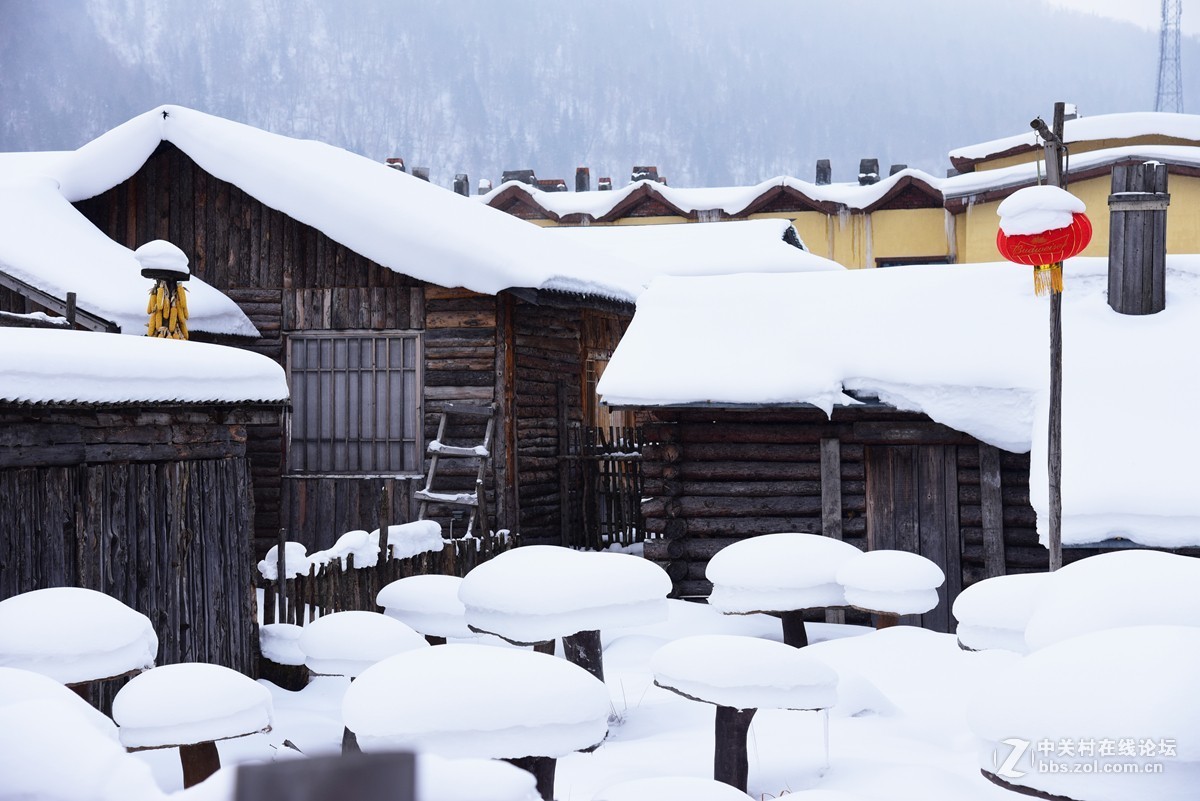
point(1137, 238)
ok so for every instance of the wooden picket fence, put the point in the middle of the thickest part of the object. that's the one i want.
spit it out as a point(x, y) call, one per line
point(609, 462)
point(330, 588)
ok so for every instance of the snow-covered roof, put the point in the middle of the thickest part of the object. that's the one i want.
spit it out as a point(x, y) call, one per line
point(966, 345)
point(975, 183)
point(45, 242)
point(390, 217)
point(1126, 125)
point(80, 367)
point(715, 248)
point(729, 200)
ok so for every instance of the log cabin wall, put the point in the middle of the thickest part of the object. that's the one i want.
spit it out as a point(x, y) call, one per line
point(715, 476)
point(150, 506)
point(552, 341)
point(287, 277)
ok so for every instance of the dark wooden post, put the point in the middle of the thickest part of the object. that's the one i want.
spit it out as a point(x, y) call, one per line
point(831, 507)
point(1055, 152)
point(1137, 239)
point(991, 501)
point(731, 765)
point(543, 770)
point(583, 649)
point(564, 466)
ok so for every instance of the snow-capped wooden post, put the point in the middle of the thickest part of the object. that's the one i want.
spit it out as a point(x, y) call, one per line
point(1043, 226)
point(1137, 239)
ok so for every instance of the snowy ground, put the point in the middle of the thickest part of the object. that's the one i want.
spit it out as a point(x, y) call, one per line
point(899, 731)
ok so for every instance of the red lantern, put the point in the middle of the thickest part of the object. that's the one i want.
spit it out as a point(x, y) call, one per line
point(1047, 250)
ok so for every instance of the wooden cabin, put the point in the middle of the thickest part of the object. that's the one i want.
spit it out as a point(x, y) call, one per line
point(385, 299)
point(920, 426)
point(122, 473)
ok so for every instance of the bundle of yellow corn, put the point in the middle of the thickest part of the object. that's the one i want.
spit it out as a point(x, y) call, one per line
point(168, 310)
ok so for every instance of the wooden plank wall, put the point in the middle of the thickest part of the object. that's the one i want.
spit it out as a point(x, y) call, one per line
point(165, 536)
point(285, 275)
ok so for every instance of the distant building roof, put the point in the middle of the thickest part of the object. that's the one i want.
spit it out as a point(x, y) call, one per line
point(1129, 125)
point(711, 203)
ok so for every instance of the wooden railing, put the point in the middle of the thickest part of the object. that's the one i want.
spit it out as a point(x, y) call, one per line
point(330, 588)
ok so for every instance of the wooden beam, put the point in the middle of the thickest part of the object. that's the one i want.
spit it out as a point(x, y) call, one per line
point(831, 503)
point(992, 505)
point(92, 322)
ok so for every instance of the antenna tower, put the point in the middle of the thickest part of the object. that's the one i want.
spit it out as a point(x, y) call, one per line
point(1169, 95)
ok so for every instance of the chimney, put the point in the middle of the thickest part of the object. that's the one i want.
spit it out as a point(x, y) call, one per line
point(523, 176)
point(1137, 238)
point(396, 163)
point(421, 172)
point(643, 174)
point(868, 172)
point(583, 179)
point(824, 172)
point(462, 185)
point(485, 186)
point(604, 184)
point(551, 184)
point(895, 168)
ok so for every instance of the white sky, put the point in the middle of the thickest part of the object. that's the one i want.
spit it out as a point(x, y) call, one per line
point(1146, 13)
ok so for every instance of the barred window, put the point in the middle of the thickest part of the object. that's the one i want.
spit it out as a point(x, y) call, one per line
point(356, 402)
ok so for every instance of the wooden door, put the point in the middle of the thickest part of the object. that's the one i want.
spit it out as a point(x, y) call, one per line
point(912, 505)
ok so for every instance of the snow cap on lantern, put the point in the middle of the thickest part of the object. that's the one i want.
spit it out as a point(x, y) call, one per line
point(1042, 226)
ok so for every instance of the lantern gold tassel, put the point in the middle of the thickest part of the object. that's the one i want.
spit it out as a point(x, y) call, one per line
point(1047, 279)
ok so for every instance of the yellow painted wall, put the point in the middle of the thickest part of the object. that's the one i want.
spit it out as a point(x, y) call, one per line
point(980, 222)
point(1083, 147)
point(908, 233)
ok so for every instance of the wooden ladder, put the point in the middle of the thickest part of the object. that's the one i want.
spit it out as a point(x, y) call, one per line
point(475, 501)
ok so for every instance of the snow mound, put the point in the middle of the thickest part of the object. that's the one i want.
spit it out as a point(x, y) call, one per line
point(1037, 209)
point(540, 592)
point(896, 582)
point(1120, 588)
point(671, 788)
point(505, 703)
point(429, 604)
point(190, 703)
point(280, 643)
point(347, 643)
point(51, 751)
point(993, 613)
point(74, 635)
point(295, 562)
point(778, 573)
point(363, 546)
point(159, 254)
point(20, 686)
point(744, 673)
point(1128, 692)
point(410, 539)
point(442, 779)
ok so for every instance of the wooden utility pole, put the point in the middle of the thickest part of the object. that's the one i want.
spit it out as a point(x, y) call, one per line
point(1055, 176)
